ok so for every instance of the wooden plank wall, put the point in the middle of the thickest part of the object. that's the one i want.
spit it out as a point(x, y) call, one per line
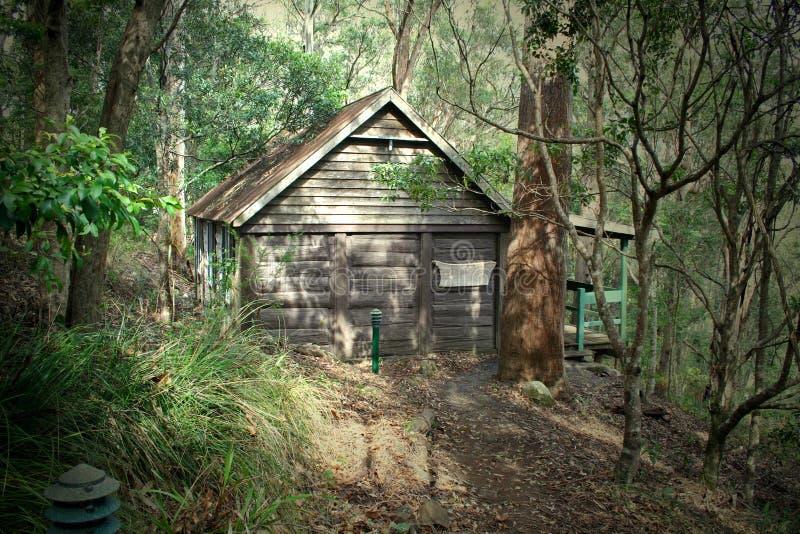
point(464, 317)
point(295, 273)
point(291, 274)
point(383, 275)
point(339, 189)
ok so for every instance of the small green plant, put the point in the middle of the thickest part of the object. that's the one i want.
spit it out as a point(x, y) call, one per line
point(652, 450)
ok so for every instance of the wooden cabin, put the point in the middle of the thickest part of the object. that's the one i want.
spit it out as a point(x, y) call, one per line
point(318, 244)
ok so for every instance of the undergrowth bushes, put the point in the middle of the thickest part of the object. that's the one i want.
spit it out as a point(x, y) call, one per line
point(204, 429)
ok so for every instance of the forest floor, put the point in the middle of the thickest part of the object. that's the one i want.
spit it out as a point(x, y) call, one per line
point(493, 461)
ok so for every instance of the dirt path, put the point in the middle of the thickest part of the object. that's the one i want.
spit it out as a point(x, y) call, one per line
point(515, 461)
point(497, 462)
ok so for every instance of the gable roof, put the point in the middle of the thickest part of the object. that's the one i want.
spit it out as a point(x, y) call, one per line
point(240, 196)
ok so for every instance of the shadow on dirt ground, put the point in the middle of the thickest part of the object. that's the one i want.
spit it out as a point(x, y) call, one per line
point(490, 460)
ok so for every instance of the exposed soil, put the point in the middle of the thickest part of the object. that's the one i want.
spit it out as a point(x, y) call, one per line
point(495, 461)
point(492, 459)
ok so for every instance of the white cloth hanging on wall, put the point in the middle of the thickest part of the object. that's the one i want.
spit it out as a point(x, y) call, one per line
point(476, 273)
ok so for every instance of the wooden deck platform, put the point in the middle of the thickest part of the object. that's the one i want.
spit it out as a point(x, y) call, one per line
point(596, 342)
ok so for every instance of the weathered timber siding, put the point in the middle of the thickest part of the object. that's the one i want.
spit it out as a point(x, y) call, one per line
point(335, 275)
point(290, 274)
point(339, 189)
point(383, 274)
point(464, 317)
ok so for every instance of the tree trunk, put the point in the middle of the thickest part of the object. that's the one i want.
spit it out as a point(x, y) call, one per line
point(652, 369)
point(628, 463)
point(51, 97)
point(86, 290)
point(308, 25)
point(759, 365)
point(51, 68)
point(665, 363)
point(532, 347)
point(631, 456)
point(171, 146)
point(170, 158)
point(712, 457)
point(406, 53)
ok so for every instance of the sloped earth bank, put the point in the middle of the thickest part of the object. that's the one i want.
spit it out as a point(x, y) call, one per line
point(494, 462)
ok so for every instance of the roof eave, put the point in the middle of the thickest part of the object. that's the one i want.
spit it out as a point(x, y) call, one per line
point(246, 214)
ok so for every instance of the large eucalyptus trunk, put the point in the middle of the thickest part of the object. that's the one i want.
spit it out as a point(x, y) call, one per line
point(86, 290)
point(532, 346)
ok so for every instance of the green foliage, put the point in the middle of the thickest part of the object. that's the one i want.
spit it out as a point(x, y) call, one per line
point(787, 435)
point(497, 165)
point(197, 422)
point(424, 180)
point(464, 42)
point(421, 180)
point(239, 91)
point(76, 184)
point(94, 30)
point(269, 86)
point(545, 23)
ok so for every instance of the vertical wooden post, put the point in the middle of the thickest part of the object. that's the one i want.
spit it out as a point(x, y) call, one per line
point(199, 263)
point(425, 294)
point(341, 332)
point(623, 286)
point(502, 264)
point(579, 317)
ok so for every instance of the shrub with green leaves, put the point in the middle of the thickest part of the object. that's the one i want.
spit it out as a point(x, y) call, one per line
point(76, 184)
point(201, 426)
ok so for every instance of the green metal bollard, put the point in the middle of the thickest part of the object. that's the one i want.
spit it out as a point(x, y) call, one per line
point(376, 317)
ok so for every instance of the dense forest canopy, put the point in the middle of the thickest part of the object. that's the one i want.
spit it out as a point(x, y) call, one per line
point(680, 120)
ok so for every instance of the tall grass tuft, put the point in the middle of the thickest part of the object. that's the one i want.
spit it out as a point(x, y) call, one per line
point(202, 427)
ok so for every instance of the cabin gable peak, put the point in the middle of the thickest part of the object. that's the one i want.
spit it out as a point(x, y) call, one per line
point(241, 196)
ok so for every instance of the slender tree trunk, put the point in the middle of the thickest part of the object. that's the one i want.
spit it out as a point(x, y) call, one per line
point(532, 347)
point(712, 458)
point(652, 368)
point(171, 145)
point(170, 152)
point(665, 361)
point(590, 180)
point(86, 290)
point(759, 365)
point(51, 68)
point(630, 457)
point(760, 359)
point(310, 10)
point(407, 50)
point(51, 96)
point(722, 389)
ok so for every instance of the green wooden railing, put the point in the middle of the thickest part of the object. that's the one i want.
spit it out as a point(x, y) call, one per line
point(586, 297)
